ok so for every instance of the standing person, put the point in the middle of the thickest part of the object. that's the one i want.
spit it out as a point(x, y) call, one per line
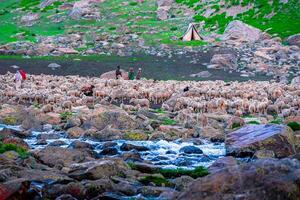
point(139, 74)
point(18, 80)
point(118, 72)
point(131, 74)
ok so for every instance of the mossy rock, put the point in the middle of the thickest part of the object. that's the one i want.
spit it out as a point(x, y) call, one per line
point(135, 136)
point(294, 125)
point(10, 120)
point(157, 180)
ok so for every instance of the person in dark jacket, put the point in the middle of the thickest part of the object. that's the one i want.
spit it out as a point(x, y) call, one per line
point(118, 72)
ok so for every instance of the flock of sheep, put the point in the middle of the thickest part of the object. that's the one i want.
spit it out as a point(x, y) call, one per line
point(237, 98)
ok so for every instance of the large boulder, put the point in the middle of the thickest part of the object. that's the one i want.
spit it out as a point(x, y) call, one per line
point(247, 140)
point(224, 61)
point(14, 189)
point(266, 179)
point(116, 119)
point(29, 19)
point(295, 81)
point(93, 170)
point(294, 40)
point(163, 9)
point(52, 156)
point(237, 30)
point(112, 75)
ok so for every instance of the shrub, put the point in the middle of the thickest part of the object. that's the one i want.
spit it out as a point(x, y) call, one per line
point(294, 125)
point(12, 147)
point(174, 28)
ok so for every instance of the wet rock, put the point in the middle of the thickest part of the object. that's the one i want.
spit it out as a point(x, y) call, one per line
point(226, 61)
point(52, 156)
point(264, 178)
point(75, 132)
point(110, 151)
point(237, 30)
point(48, 136)
point(80, 145)
point(74, 121)
point(57, 143)
point(126, 188)
point(108, 144)
point(294, 40)
point(76, 190)
point(153, 191)
point(145, 167)
point(41, 142)
point(102, 168)
point(182, 161)
point(14, 189)
point(247, 140)
point(191, 150)
point(169, 195)
point(272, 110)
point(132, 156)
point(181, 183)
point(171, 152)
point(222, 163)
point(129, 147)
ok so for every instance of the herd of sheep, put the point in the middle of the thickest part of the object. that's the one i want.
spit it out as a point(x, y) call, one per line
point(55, 93)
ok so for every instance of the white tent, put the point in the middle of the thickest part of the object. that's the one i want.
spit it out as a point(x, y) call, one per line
point(191, 34)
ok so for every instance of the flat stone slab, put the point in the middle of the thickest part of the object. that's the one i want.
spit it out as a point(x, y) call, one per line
point(247, 140)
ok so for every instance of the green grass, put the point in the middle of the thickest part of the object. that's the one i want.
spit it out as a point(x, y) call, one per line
point(159, 111)
point(168, 121)
point(173, 173)
point(253, 122)
point(276, 121)
point(158, 181)
point(284, 23)
point(294, 125)
point(12, 147)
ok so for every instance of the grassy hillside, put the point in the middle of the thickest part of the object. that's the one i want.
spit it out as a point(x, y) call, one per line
point(275, 17)
point(122, 16)
point(137, 18)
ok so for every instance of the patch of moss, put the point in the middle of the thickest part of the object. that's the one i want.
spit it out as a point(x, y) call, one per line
point(12, 147)
point(235, 125)
point(159, 111)
point(133, 136)
point(10, 120)
point(158, 181)
point(276, 121)
point(195, 173)
point(168, 121)
point(294, 125)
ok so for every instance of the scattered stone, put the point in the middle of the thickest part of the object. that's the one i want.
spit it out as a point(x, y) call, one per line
point(191, 150)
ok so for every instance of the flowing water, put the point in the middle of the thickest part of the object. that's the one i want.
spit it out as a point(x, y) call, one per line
point(165, 154)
